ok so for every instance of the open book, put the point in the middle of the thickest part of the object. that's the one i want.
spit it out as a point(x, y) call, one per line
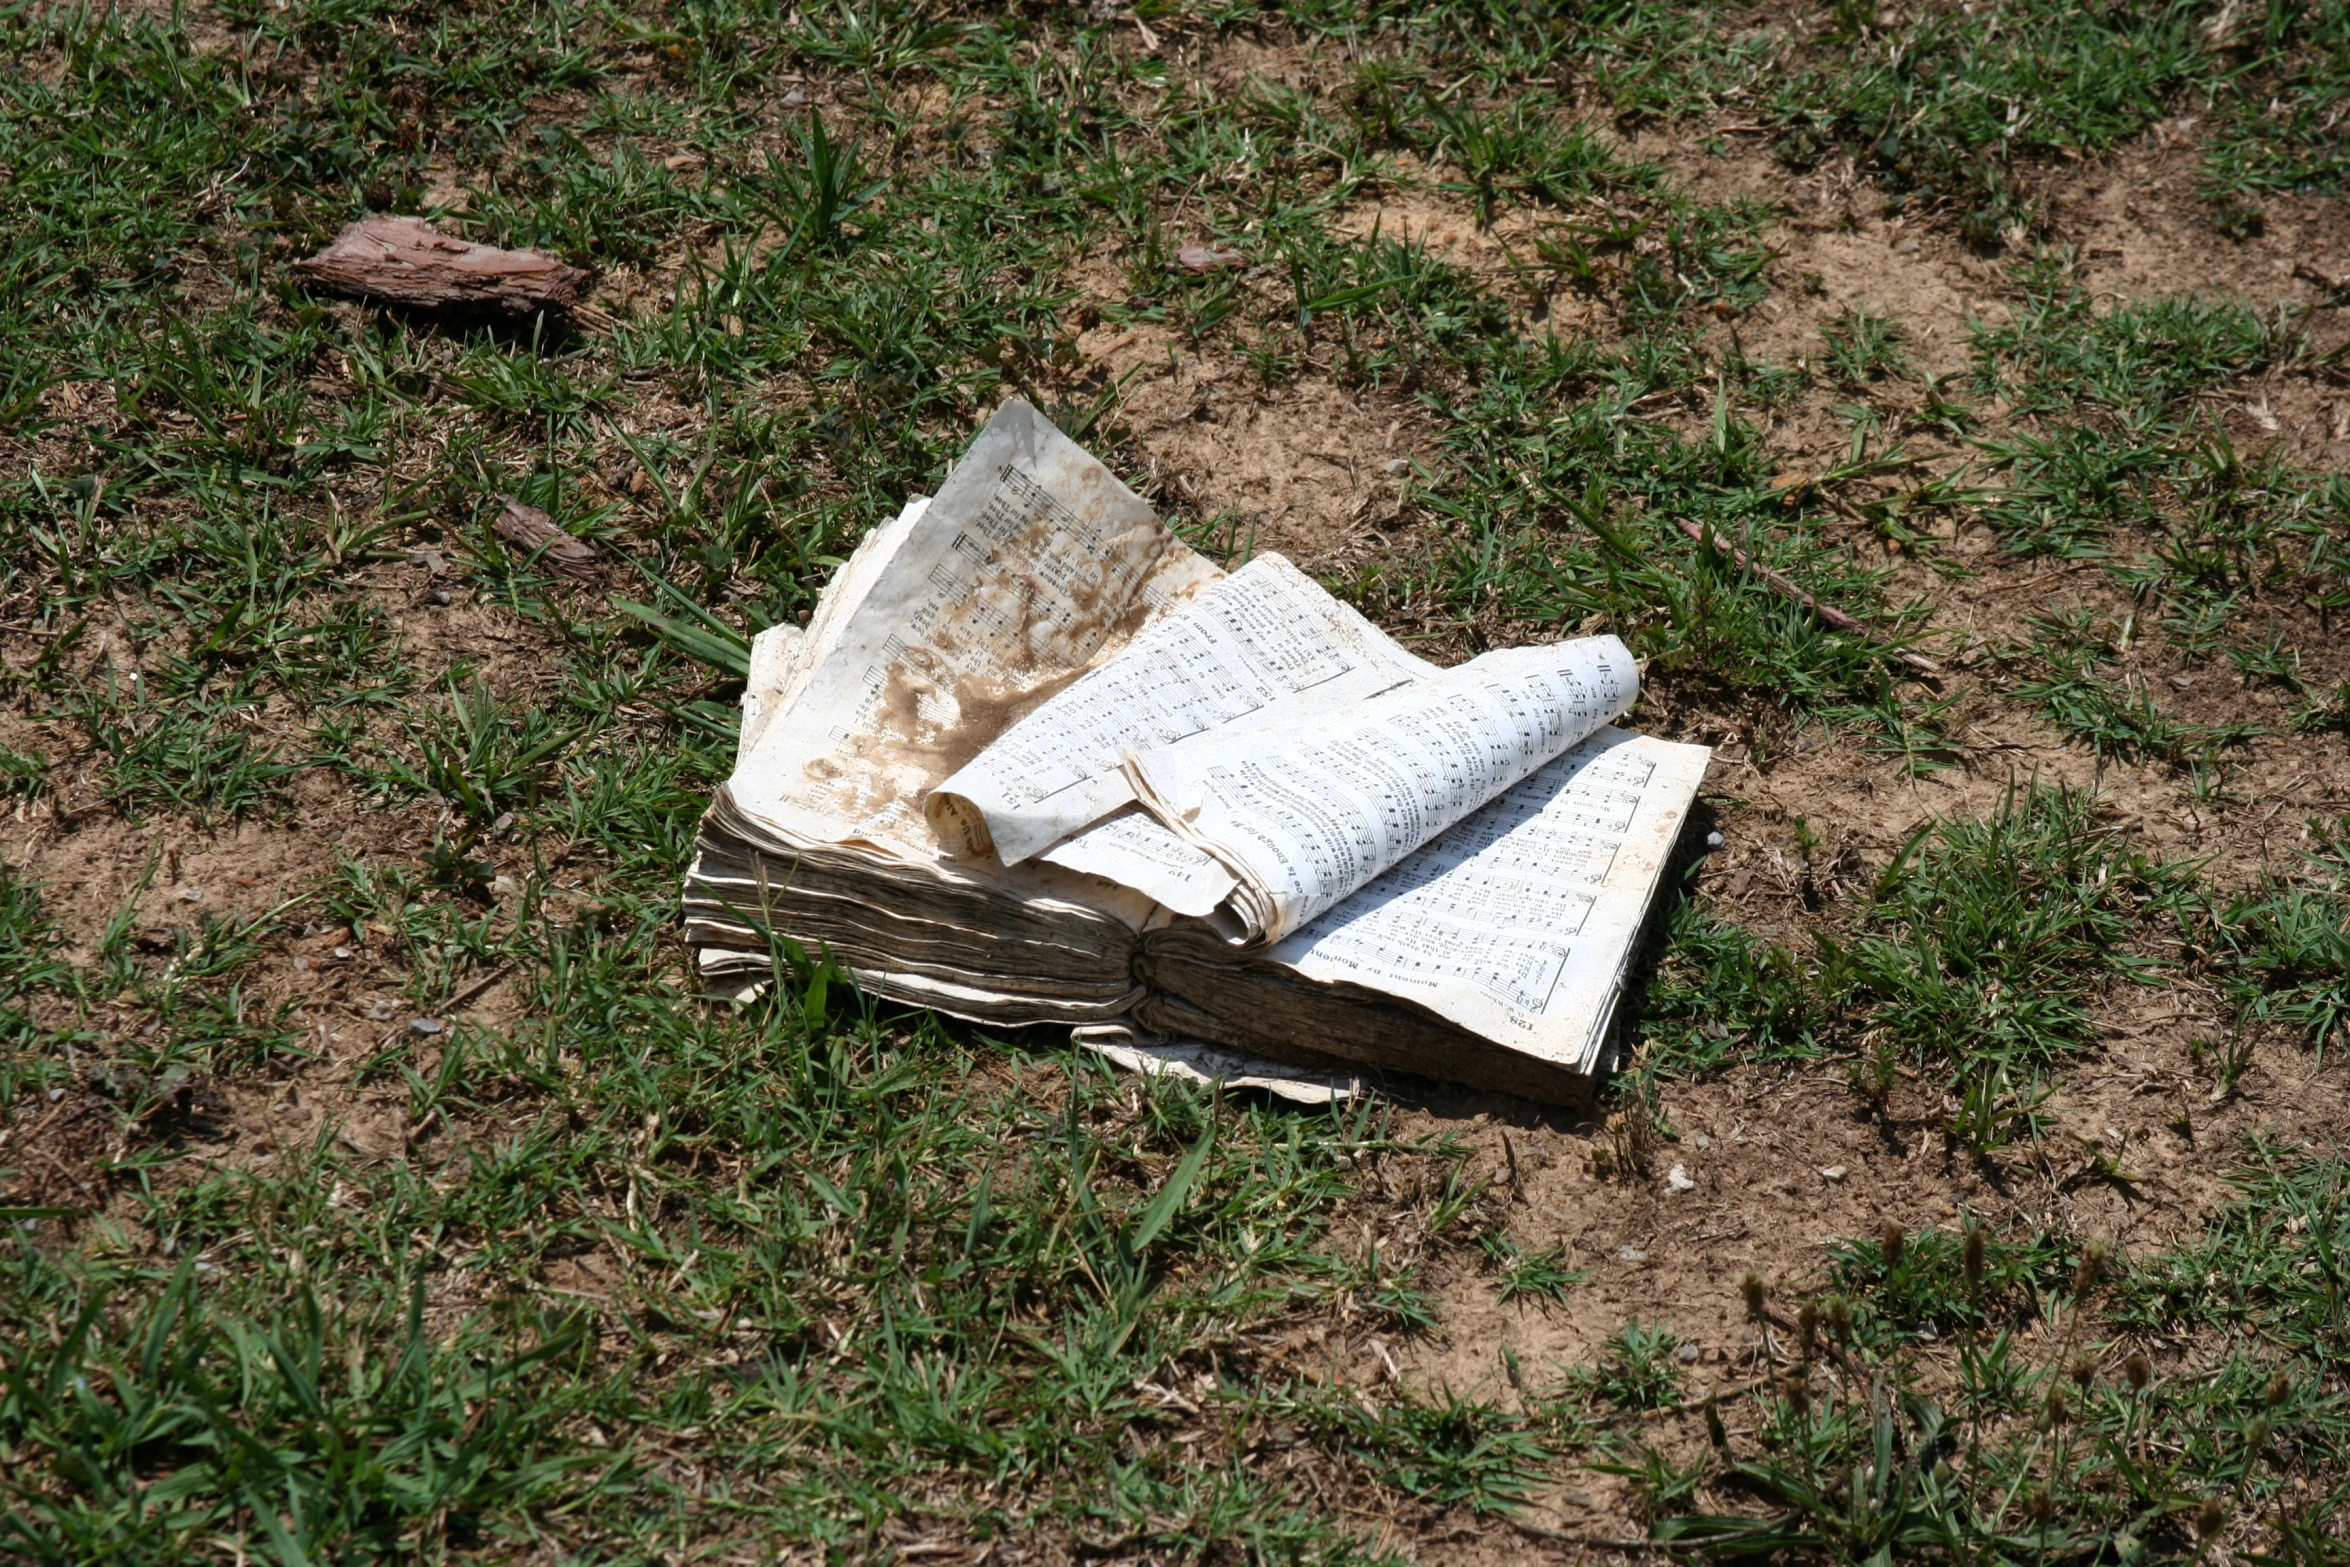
point(1033, 760)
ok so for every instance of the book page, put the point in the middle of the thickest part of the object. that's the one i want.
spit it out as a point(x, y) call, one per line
point(1030, 560)
point(775, 657)
point(1136, 850)
point(842, 597)
point(1304, 816)
point(1266, 644)
point(1519, 924)
point(1197, 1061)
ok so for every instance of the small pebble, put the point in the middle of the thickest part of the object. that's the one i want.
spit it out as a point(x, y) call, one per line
point(1834, 1172)
point(1713, 840)
point(56, 1094)
point(1677, 1178)
point(1630, 1254)
point(438, 596)
point(425, 1025)
point(1686, 1354)
point(381, 1012)
point(343, 953)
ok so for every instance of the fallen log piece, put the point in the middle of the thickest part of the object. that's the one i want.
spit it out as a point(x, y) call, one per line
point(406, 261)
point(2331, 282)
point(534, 533)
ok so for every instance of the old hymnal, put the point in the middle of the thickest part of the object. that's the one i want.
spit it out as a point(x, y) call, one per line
point(1033, 760)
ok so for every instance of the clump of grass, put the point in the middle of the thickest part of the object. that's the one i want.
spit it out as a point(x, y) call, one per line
point(482, 755)
point(1449, 1451)
point(1942, 114)
point(1534, 1275)
point(2284, 109)
point(1864, 345)
point(1981, 942)
point(2287, 944)
point(1984, 937)
point(2137, 358)
point(1937, 1283)
point(199, 757)
point(1721, 994)
point(1635, 1370)
point(2118, 715)
point(22, 775)
point(349, 1433)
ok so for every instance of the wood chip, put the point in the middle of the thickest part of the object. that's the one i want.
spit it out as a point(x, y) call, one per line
point(1208, 258)
point(534, 533)
point(406, 261)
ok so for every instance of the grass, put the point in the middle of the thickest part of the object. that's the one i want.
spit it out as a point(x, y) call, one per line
point(312, 1254)
point(2058, 350)
point(1917, 1423)
point(1979, 947)
point(986, 1281)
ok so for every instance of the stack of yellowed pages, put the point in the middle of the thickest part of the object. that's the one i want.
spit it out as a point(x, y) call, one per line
point(1033, 760)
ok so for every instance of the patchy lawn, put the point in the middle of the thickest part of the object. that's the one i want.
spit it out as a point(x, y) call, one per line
point(379, 1187)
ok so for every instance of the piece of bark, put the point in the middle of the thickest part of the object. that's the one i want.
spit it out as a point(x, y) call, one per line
point(2331, 282)
point(1829, 615)
point(534, 533)
point(406, 261)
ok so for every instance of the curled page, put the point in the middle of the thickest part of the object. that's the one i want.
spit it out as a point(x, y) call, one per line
point(1519, 923)
point(1302, 818)
point(1264, 645)
point(872, 560)
point(1136, 850)
point(775, 654)
point(966, 613)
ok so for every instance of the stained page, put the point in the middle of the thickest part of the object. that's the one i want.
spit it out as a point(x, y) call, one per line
point(1306, 816)
point(842, 597)
point(1030, 560)
point(1264, 645)
point(1519, 923)
point(775, 656)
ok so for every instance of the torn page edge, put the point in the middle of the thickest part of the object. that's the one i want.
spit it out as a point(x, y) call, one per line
point(1197, 1061)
